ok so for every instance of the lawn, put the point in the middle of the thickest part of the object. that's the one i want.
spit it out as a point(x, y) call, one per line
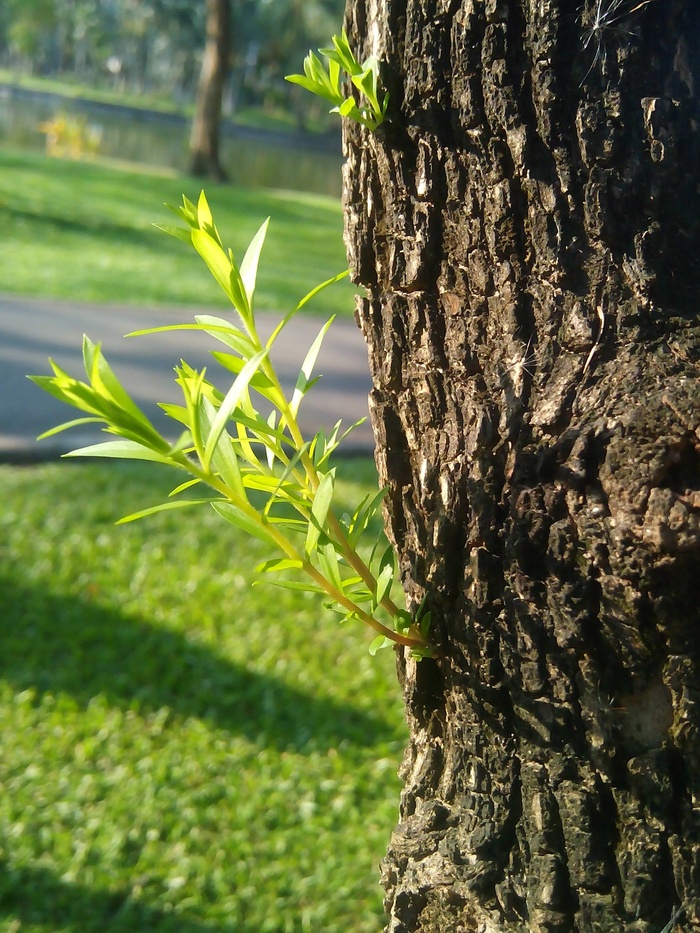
point(84, 231)
point(181, 751)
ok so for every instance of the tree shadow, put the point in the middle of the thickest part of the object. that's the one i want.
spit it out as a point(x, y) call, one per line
point(34, 895)
point(96, 229)
point(59, 644)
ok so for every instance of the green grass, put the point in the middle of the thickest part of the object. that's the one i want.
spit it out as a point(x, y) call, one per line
point(84, 231)
point(71, 88)
point(180, 751)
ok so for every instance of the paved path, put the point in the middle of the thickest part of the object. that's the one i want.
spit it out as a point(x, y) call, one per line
point(33, 329)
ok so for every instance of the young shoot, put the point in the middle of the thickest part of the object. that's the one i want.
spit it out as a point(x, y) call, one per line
point(327, 82)
point(256, 471)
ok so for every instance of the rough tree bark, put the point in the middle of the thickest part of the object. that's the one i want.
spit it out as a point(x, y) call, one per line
point(204, 138)
point(527, 229)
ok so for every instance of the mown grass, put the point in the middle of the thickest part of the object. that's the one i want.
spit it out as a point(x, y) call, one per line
point(181, 751)
point(84, 231)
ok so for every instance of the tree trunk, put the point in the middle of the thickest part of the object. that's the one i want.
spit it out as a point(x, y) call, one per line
point(204, 139)
point(527, 226)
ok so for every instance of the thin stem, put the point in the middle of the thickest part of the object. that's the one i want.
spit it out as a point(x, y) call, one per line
point(349, 553)
point(342, 600)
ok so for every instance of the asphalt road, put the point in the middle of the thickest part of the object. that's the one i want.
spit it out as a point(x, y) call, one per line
point(31, 330)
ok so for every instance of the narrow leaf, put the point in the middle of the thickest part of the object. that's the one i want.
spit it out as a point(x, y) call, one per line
point(303, 380)
point(164, 507)
point(384, 582)
point(239, 518)
point(319, 510)
point(181, 488)
point(69, 424)
point(121, 450)
point(381, 641)
point(328, 563)
point(230, 402)
point(298, 585)
point(216, 259)
point(204, 218)
point(179, 232)
point(249, 266)
point(280, 563)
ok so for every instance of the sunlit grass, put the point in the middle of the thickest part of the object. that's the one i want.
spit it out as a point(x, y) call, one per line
point(84, 231)
point(181, 751)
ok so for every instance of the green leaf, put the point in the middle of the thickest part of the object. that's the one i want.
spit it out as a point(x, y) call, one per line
point(384, 581)
point(304, 378)
point(69, 424)
point(121, 450)
point(366, 82)
point(176, 412)
point(366, 511)
point(328, 563)
point(230, 402)
point(216, 259)
point(381, 641)
point(298, 585)
point(279, 564)
point(164, 507)
point(402, 621)
point(314, 291)
point(216, 327)
point(223, 456)
point(106, 383)
point(347, 108)
point(179, 232)
point(227, 334)
point(204, 218)
point(288, 470)
point(183, 443)
point(319, 511)
point(244, 521)
point(249, 266)
point(260, 382)
point(183, 486)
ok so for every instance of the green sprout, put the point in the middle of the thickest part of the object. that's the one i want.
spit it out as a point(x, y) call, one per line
point(266, 479)
point(328, 83)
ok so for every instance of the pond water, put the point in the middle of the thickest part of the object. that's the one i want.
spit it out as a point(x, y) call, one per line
point(253, 159)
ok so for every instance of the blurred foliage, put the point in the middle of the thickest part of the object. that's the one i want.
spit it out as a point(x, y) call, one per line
point(69, 136)
point(153, 46)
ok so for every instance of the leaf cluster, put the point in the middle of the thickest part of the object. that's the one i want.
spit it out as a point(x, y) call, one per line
point(256, 471)
point(327, 82)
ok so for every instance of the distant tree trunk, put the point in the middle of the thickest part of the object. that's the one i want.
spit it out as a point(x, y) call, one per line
point(527, 228)
point(204, 139)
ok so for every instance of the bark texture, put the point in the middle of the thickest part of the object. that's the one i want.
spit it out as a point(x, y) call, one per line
point(204, 138)
point(527, 228)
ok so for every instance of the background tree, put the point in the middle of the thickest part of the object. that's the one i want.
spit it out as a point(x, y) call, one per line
point(526, 226)
point(28, 24)
point(204, 139)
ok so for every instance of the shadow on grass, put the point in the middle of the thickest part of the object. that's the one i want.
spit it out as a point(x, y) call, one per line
point(36, 896)
point(54, 644)
point(113, 234)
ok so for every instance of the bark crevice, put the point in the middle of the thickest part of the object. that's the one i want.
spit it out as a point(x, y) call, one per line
point(534, 348)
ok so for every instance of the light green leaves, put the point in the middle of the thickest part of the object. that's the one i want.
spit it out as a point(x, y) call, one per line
point(319, 512)
point(246, 444)
point(106, 401)
point(369, 111)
